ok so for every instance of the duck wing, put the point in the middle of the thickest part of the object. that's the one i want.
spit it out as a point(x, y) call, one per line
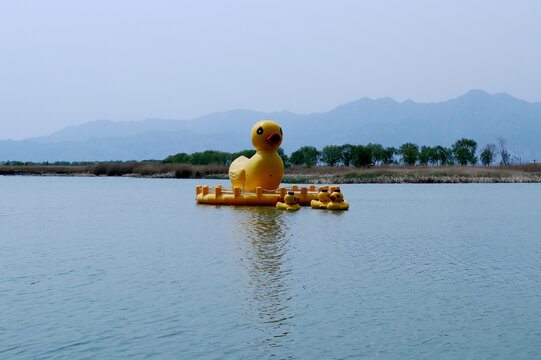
point(237, 171)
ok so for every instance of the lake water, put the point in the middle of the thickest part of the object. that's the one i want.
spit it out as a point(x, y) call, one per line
point(133, 268)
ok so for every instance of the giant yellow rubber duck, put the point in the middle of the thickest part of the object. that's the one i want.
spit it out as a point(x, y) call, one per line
point(265, 169)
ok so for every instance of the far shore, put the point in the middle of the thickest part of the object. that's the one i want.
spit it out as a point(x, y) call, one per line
point(394, 174)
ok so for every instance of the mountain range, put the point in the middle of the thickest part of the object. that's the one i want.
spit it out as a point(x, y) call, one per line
point(476, 115)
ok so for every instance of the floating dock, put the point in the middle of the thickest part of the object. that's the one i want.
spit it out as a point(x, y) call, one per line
point(219, 195)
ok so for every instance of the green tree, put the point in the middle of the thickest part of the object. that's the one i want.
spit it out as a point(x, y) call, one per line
point(306, 155)
point(388, 155)
point(182, 158)
point(347, 153)
point(282, 154)
point(443, 155)
point(331, 155)
point(210, 157)
point(378, 153)
point(410, 153)
point(433, 157)
point(464, 151)
point(362, 156)
point(246, 153)
point(425, 155)
point(488, 154)
point(504, 153)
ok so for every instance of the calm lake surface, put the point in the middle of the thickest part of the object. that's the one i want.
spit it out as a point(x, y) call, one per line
point(134, 268)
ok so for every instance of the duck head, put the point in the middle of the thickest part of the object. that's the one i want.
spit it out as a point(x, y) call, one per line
point(337, 196)
point(323, 195)
point(267, 135)
point(290, 198)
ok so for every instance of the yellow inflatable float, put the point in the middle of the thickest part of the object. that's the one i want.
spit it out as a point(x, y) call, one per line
point(290, 202)
point(323, 199)
point(256, 181)
point(335, 201)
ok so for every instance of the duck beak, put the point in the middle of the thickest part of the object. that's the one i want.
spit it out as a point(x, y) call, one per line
point(273, 139)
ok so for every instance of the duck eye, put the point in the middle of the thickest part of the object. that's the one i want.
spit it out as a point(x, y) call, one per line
point(260, 131)
point(281, 132)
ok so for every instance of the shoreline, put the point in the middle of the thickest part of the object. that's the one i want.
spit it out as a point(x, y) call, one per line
point(397, 174)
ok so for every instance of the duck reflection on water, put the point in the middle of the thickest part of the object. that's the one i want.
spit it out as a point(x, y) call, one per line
point(262, 239)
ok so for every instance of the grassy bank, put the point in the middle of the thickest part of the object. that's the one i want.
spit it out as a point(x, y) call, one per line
point(299, 174)
point(415, 174)
point(132, 169)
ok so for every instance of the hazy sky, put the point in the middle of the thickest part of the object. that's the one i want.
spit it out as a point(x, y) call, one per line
point(68, 62)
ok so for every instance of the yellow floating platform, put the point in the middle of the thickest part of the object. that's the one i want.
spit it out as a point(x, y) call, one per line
point(219, 195)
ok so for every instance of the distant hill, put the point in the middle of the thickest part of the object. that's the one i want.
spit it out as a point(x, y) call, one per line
point(476, 115)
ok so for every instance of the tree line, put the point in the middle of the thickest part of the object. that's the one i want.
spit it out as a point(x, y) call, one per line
point(214, 157)
point(462, 152)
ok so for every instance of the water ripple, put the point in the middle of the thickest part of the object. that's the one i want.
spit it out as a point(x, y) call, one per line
point(132, 268)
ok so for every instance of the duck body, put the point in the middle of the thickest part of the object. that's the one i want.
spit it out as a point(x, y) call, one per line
point(265, 169)
point(284, 206)
point(333, 205)
point(316, 204)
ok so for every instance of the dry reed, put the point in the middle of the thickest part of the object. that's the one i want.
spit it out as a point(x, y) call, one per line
point(299, 174)
point(415, 174)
